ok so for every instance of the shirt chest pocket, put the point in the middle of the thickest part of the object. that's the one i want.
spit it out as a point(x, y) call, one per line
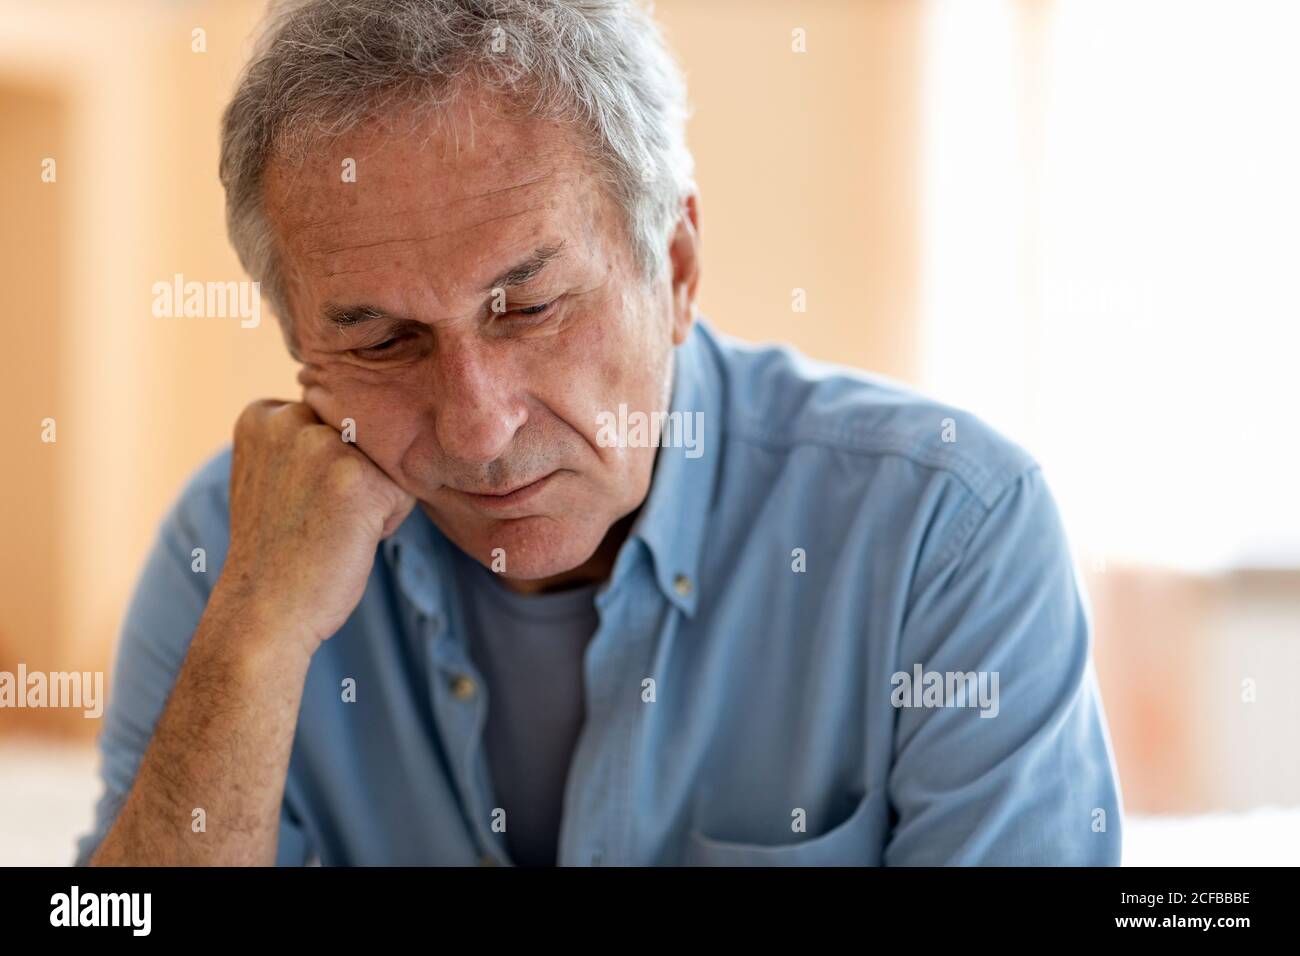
point(856, 841)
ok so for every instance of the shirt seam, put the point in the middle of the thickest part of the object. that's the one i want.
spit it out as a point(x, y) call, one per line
point(969, 523)
point(976, 484)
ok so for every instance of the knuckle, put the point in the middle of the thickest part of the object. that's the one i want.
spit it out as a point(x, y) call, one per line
point(344, 475)
point(315, 442)
point(248, 421)
point(255, 413)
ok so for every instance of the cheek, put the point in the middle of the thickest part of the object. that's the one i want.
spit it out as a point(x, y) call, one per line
point(624, 362)
point(577, 377)
point(621, 357)
point(387, 420)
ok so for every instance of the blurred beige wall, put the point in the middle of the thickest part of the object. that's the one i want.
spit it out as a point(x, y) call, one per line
point(138, 401)
point(807, 164)
point(1196, 673)
point(809, 171)
point(30, 387)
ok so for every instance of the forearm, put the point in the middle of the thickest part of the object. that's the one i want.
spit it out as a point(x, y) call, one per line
point(222, 745)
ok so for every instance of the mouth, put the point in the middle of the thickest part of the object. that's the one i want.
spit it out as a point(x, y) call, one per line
point(509, 497)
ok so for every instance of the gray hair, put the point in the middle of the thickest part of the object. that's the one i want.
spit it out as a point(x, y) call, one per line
point(323, 67)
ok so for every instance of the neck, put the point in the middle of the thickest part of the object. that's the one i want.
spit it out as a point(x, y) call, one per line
point(592, 571)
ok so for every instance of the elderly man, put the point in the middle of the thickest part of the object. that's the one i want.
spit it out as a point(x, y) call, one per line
point(541, 570)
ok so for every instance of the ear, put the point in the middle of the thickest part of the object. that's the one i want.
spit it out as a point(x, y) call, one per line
point(684, 264)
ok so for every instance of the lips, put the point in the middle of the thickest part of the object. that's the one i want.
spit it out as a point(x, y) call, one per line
point(503, 494)
point(507, 498)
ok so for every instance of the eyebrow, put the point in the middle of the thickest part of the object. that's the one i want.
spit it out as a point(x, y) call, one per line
point(351, 316)
point(348, 317)
point(530, 267)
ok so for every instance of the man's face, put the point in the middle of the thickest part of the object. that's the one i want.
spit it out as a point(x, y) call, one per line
point(472, 303)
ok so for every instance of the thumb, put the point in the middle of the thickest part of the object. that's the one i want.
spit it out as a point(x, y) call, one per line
point(401, 511)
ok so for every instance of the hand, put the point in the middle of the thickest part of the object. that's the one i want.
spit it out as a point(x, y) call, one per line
point(307, 513)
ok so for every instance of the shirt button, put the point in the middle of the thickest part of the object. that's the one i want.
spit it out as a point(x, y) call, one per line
point(682, 585)
point(462, 687)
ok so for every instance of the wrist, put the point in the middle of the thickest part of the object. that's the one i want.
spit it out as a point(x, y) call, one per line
point(254, 627)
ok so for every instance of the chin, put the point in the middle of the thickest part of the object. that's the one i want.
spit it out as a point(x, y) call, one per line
point(535, 547)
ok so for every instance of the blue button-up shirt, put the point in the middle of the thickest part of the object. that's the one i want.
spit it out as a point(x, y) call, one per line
point(772, 678)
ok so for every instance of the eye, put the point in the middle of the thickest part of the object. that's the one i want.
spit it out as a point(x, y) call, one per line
point(524, 319)
point(382, 349)
point(524, 312)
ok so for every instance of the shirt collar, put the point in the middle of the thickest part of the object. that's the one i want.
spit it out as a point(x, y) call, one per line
point(412, 552)
point(673, 517)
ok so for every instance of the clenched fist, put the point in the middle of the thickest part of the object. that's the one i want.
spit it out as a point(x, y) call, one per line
point(307, 512)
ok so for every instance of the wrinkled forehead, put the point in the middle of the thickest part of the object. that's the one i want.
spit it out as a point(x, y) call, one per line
point(448, 171)
point(443, 196)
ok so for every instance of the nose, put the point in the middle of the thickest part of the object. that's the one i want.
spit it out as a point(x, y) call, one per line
point(478, 405)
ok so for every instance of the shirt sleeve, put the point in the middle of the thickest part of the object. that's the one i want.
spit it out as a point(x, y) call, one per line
point(168, 601)
point(1029, 779)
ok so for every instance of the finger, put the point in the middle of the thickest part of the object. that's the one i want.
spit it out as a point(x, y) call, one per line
point(398, 516)
point(299, 413)
point(317, 399)
point(266, 406)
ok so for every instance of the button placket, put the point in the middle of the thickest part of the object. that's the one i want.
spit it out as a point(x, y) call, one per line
point(456, 692)
point(599, 788)
point(459, 700)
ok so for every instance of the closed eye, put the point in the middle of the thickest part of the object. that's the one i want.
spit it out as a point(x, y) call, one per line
point(383, 349)
point(525, 317)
